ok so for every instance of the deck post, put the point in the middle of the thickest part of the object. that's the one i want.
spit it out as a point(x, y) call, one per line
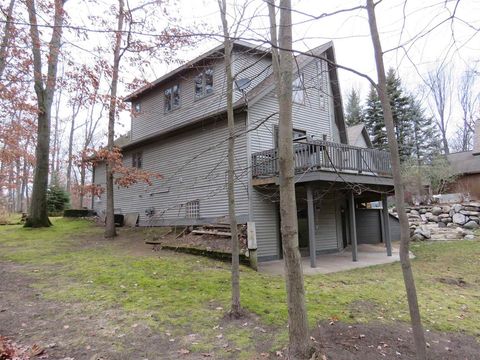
point(386, 226)
point(311, 226)
point(353, 225)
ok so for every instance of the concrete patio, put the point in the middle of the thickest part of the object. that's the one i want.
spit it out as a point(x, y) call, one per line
point(368, 255)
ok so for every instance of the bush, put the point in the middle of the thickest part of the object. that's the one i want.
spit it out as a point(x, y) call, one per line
point(57, 200)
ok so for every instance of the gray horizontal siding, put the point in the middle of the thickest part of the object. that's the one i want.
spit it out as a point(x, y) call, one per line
point(326, 225)
point(193, 166)
point(315, 116)
point(265, 216)
point(368, 226)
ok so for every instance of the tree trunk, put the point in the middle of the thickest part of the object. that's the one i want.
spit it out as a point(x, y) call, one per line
point(418, 334)
point(70, 154)
point(235, 308)
point(44, 90)
point(282, 66)
point(110, 230)
point(6, 37)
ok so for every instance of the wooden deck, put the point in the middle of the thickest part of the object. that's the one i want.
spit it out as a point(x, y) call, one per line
point(327, 157)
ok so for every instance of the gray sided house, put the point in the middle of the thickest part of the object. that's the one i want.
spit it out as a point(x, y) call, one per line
point(179, 130)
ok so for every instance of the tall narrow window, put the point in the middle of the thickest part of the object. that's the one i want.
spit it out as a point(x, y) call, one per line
point(172, 98)
point(204, 83)
point(137, 107)
point(298, 90)
point(137, 159)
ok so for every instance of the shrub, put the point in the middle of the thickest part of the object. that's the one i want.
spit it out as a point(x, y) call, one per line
point(57, 200)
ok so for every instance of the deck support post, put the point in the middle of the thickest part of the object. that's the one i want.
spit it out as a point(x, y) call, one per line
point(353, 225)
point(311, 226)
point(386, 226)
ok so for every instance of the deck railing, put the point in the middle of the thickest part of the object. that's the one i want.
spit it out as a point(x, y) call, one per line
point(318, 155)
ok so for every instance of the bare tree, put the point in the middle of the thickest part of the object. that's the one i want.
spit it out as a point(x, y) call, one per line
point(110, 230)
point(6, 37)
point(45, 90)
point(418, 334)
point(282, 59)
point(468, 99)
point(439, 83)
point(235, 308)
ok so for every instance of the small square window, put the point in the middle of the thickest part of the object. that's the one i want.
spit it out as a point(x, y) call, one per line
point(192, 209)
point(137, 160)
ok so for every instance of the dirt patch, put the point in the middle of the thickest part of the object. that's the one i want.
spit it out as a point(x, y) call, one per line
point(373, 341)
point(453, 281)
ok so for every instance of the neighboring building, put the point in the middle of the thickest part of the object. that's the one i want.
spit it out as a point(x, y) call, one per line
point(467, 165)
point(179, 130)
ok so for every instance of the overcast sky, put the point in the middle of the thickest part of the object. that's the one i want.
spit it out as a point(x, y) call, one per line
point(428, 39)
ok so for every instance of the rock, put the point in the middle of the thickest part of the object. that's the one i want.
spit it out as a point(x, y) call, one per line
point(422, 211)
point(442, 216)
point(451, 225)
point(469, 237)
point(474, 204)
point(423, 217)
point(417, 237)
point(442, 225)
point(436, 210)
point(423, 231)
point(469, 213)
point(451, 213)
point(475, 218)
point(446, 220)
point(471, 225)
point(459, 219)
point(433, 218)
point(428, 214)
point(414, 212)
point(471, 208)
point(457, 208)
point(446, 209)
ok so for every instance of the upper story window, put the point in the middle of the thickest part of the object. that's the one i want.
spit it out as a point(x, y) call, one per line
point(137, 107)
point(204, 83)
point(298, 90)
point(137, 159)
point(172, 98)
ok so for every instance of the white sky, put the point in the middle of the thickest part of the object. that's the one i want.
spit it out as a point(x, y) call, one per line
point(456, 44)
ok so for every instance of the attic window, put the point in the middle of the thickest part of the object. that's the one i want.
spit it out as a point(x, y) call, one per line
point(172, 98)
point(192, 209)
point(298, 90)
point(137, 107)
point(137, 160)
point(204, 83)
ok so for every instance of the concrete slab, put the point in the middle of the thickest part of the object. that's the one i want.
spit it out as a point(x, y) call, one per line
point(368, 255)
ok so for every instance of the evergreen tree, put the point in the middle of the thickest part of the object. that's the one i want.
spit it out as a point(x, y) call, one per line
point(353, 109)
point(373, 117)
point(400, 104)
point(426, 143)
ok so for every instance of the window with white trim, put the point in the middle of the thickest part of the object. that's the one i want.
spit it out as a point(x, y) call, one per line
point(298, 90)
point(192, 209)
point(204, 83)
point(172, 98)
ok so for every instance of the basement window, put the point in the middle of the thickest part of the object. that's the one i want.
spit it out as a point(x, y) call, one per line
point(192, 209)
point(137, 160)
point(172, 98)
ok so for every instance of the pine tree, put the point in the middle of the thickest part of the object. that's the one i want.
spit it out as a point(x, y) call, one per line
point(399, 102)
point(353, 109)
point(426, 144)
point(373, 117)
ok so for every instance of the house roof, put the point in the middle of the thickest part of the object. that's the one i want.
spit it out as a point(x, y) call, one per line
point(192, 64)
point(464, 162)
point(259, 91)
point(354, 132)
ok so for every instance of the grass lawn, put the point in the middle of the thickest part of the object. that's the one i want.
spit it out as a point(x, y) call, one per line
point(182, 294)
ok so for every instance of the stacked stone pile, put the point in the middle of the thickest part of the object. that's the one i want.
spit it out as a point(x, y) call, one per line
point(444, 222)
